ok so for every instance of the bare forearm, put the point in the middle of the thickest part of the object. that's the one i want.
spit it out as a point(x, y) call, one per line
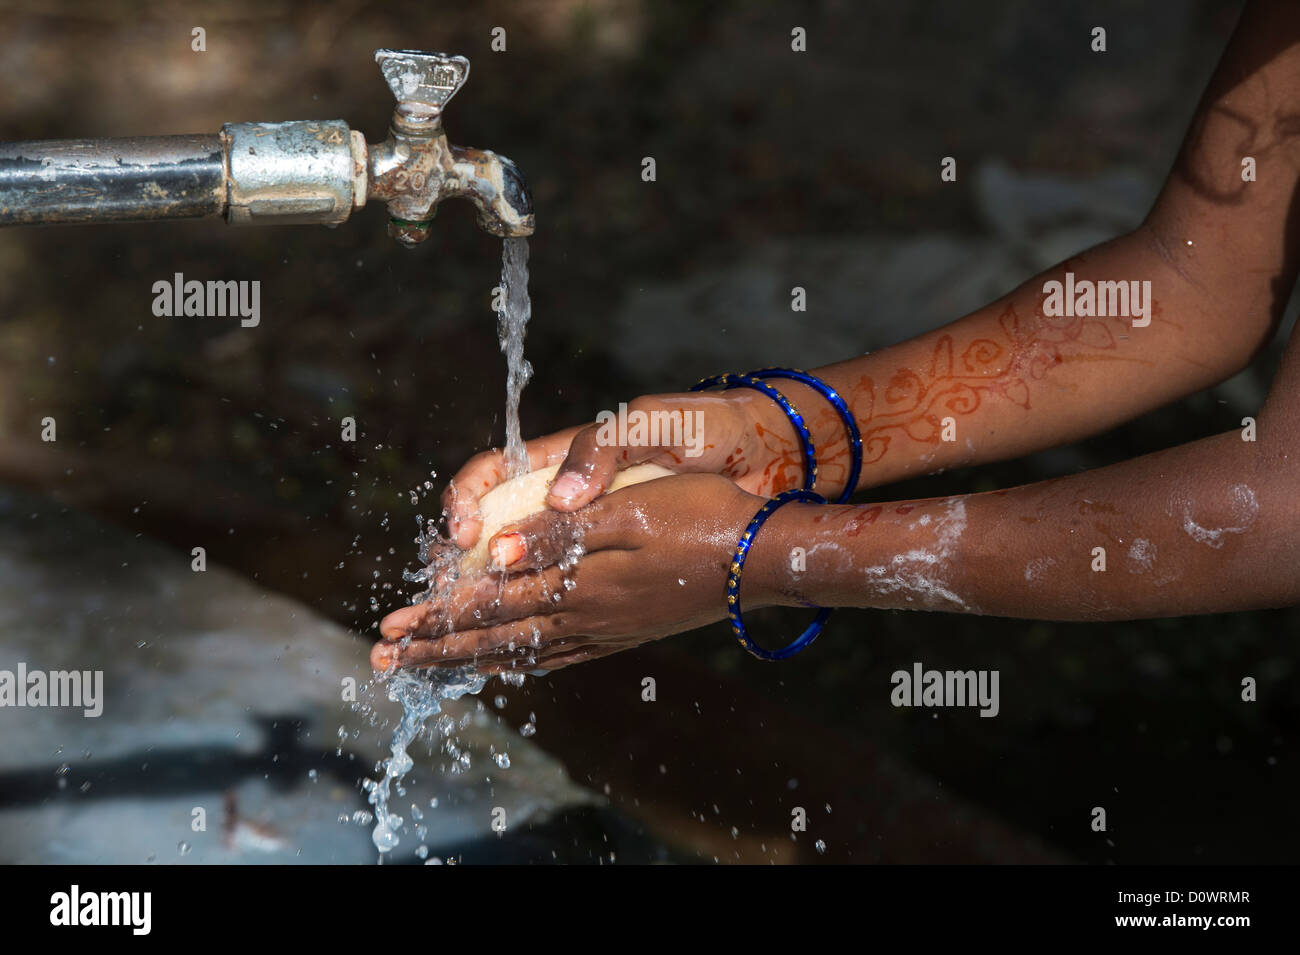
point(1209, 526)
point(1009, 379)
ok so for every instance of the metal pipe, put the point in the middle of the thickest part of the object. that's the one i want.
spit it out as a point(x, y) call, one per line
point(97, 180)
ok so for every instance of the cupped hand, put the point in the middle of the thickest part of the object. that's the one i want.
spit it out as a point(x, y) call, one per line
point(655, 563)
point(742, 435)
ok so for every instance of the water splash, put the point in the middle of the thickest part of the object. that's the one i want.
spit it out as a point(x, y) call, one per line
point(421, 693)
point(512, 325)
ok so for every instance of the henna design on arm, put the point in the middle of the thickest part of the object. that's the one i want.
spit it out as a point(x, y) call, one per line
point(911, 405)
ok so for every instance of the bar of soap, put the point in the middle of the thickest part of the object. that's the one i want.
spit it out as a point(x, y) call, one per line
point(525, 496)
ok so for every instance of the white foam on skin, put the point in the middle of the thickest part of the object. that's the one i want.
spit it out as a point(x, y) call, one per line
point(1037, 567)
point(842, 556)
point(918, 574)
point(1245, 508)
point(1141, 556)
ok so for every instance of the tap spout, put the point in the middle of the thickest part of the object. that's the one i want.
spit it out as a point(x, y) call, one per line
point(414, 171)
point(497, 188)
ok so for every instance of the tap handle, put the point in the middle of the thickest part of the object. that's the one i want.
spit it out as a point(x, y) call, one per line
point(422, 82)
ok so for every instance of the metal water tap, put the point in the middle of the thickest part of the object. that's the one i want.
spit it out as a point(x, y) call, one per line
point(273, 173)
point(416, 168)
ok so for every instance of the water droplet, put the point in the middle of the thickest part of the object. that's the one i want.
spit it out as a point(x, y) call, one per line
point(384, 838)
point(183, 848)
point(820, 846)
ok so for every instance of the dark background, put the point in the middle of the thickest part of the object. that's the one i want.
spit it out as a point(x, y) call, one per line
point(195, 431)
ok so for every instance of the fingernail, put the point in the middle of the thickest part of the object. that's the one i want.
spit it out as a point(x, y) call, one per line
point(383, 656)
point(507, 549)
point(568, 486)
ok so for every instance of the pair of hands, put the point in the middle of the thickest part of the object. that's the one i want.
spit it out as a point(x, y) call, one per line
point(656, 554)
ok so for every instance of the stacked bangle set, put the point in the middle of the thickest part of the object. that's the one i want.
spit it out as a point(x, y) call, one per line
point(756, 381)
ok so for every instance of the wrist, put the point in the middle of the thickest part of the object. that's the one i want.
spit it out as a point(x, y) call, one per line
point(775, 448)
point(832, 425)
point(776, 569)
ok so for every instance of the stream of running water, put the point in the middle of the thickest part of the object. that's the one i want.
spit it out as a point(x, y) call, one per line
point(422, 692)
point(512, 324)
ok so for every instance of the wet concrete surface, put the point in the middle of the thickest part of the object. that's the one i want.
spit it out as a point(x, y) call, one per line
point(227, 705)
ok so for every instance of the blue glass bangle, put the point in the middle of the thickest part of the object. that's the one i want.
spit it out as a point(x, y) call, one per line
point(738, 566)
point(841, 408)
point(796, 419)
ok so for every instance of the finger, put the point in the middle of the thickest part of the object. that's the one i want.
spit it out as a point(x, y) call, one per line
point(521, 645)
point(486, 470)
point(567, 655)
point(588, 469)
point(408, 621)
point(477, 603)
point(599, 450)
point(549, 538)
point(480, 474)
point(519, 652)
point(565, 651)
point(518, 640)
point(560, 652)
